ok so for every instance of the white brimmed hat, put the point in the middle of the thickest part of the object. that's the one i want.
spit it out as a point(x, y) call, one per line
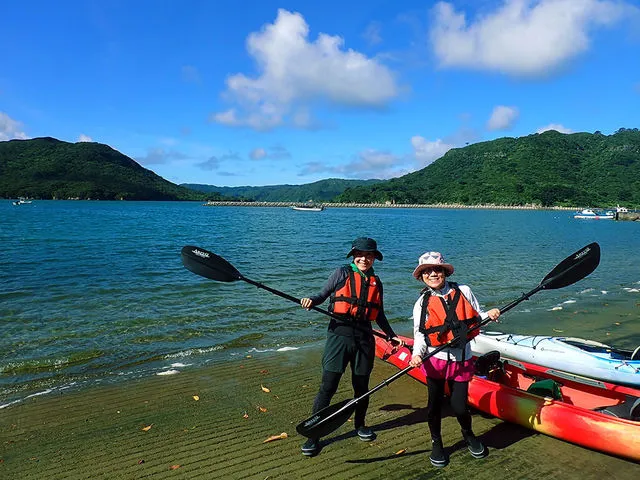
point(432, 259)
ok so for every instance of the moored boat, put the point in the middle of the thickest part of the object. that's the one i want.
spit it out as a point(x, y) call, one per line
point(575, 355)
point(620, 209)
point(308, 208)
point(591, 413)
point(22, 201)
point(593, 214)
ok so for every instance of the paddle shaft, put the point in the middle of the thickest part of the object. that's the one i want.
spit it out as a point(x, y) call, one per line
point(352, 404)
point(394, 377)
point(570, 270)
point(297, 300)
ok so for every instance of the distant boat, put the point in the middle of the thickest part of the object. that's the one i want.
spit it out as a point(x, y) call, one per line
point(308, 208)
point(22, 201)
point(620, 209)
point(590, 213)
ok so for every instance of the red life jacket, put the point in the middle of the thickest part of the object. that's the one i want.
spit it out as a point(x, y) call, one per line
point(359, 298)
point(440, 327)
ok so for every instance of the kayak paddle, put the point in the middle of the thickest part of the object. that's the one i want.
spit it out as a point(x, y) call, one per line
point(573, 268)
point(209, 265)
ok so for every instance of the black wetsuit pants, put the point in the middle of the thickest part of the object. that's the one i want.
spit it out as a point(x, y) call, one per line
point(459, 392)
point(357, 350)
point(329, 386)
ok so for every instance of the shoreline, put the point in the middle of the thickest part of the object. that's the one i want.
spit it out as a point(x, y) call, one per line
point(212, 422)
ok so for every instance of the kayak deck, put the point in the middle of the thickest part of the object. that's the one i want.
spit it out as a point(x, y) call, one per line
point(579, 356)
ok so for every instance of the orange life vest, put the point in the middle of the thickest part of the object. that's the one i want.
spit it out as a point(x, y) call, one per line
point(440, 327)
point(359, 298)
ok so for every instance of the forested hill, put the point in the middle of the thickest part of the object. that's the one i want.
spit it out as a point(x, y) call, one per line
point(579, 169)
point(321, 191)
point(47, 168)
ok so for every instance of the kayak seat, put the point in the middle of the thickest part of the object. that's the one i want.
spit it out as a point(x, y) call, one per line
point(629, 409)
point(546, 388)
point(488, 363)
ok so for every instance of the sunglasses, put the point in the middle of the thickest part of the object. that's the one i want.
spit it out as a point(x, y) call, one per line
point(430, 270)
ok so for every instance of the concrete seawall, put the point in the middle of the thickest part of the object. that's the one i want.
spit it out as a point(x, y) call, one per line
point(384, 205)
point(630, 216)
point(623, 216)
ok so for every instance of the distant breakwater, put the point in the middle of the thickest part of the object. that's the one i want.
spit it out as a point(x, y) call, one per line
point(384, 205)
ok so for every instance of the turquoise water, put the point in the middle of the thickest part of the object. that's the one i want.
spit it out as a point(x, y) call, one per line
point(96, 291)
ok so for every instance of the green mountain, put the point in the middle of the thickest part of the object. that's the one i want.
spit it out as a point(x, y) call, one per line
point(47, 168)
point(547, 169)
point(321, 191)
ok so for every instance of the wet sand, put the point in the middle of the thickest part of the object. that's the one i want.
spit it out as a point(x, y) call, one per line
point(98, 432)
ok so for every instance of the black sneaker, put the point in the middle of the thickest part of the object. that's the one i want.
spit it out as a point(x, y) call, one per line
point(366, 434)
point(311, 447)
point(475, 446)
point(438, 456)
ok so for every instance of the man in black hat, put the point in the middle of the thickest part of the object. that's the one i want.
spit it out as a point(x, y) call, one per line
point(355, 295)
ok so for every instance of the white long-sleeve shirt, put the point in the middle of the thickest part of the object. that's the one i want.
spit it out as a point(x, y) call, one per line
point(420, 346)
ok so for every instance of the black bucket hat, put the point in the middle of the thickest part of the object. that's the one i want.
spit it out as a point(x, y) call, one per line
point(364, 244)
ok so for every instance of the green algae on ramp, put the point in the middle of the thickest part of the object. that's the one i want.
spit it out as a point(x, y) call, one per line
point(97, 433)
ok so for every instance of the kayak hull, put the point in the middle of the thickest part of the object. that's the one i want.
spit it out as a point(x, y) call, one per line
point(575, 418)
point(574, 355)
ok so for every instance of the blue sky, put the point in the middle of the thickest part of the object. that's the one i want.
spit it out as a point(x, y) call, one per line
point(263, 93)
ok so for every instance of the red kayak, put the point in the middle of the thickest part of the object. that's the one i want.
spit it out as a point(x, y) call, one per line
point(591, 413)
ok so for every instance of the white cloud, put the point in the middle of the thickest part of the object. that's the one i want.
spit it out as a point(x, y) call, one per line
point(10, 128)
point(555, 126)
point(84, 138)
point(373, 164)
point(426, 151)
point(367, 164)
point(258, 154)
point(295, 72)
point(158, 155)
point(213, 163)
point(372, 33)
point(503, 118)
point(522, 37)
point(276, 152)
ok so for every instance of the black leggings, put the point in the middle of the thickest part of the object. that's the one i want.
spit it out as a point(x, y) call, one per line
point(329, 386)
point(459, 392)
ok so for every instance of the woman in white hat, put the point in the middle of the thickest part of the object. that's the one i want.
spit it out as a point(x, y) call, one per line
point(444, 312)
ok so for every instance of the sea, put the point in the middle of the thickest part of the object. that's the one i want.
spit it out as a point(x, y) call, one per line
point(95, 292)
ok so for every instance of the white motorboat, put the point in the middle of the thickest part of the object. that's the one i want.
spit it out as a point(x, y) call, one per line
point(593, 214)
point(308, 208)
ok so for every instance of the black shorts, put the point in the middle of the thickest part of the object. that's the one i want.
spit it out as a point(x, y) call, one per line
point(340, 350)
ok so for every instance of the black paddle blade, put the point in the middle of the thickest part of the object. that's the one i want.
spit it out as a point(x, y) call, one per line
point(209, 265)
point(573, 268)
point(326, 420)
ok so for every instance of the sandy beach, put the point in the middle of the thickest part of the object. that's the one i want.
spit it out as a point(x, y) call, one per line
point(213, 423)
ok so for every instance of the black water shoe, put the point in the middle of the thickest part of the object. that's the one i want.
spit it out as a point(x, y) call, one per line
point(366, 434)
point(438, 456)
point(477, 449)
point(311, 447)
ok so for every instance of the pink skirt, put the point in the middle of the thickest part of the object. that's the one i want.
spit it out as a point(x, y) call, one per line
point(456, 371)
